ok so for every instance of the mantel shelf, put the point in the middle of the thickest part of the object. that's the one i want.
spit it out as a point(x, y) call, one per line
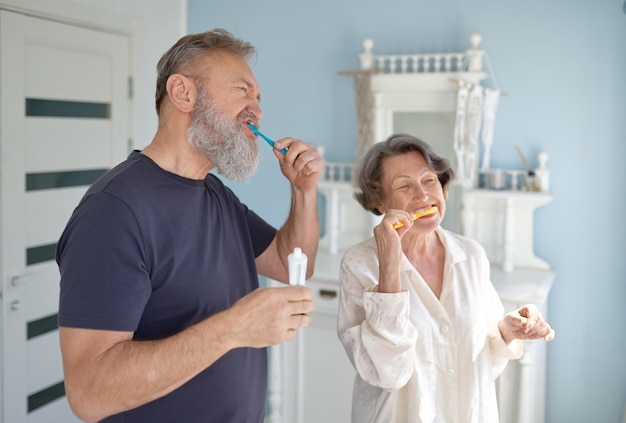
point(542, 197)
point(522, 286)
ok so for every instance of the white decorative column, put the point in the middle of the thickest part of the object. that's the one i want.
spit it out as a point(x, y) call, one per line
point(525, 404)
point(275, 385)
point(508, 241)
point(475, 54)
point(333, 221)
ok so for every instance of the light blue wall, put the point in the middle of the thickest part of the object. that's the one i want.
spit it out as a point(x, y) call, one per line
point(563, 64)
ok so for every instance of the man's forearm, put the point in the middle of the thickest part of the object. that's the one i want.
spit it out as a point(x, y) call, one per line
point(105, 379)
point(302, 227)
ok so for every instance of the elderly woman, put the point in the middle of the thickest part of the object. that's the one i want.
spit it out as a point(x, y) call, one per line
point(419, 317)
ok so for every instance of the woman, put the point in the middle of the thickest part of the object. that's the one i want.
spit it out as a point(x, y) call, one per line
point(419, 317)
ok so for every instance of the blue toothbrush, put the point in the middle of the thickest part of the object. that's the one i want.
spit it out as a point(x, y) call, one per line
point(269, 141)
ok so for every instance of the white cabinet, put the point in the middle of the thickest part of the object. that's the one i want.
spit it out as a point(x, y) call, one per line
point(314, 380)
point(313, 377)
point(522, 386)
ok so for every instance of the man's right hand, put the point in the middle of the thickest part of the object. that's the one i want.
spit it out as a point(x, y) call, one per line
point(270, 316)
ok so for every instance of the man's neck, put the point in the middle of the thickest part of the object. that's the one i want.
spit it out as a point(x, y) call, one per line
point(177, 156)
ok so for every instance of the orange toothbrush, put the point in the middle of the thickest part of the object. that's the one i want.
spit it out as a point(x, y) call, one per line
point(417, 215)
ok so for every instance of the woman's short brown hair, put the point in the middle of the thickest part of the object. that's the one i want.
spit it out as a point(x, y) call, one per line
point(370, 192)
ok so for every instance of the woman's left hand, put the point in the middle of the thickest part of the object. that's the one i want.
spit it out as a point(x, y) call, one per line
point(525, 323)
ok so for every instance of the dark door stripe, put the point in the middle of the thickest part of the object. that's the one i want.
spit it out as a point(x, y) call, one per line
point(45, 396)
point(50, 180)
point(40, 254)
point(42, 326)
point(37, 107)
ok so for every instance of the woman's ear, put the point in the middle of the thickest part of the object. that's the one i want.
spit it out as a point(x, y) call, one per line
point(181, 92)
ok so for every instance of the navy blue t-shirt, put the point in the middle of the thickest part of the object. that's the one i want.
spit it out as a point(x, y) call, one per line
point(151, 252)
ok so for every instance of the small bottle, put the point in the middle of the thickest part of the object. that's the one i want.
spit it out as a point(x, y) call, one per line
point(542, 172)
point(297, 262)
point(531, 181)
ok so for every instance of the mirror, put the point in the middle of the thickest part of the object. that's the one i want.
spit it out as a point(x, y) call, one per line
point(437, 129)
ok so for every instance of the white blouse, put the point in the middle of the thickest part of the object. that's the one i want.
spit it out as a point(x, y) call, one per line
point(419, 358)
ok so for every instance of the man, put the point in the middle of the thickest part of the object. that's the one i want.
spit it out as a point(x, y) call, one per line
point(161, 315)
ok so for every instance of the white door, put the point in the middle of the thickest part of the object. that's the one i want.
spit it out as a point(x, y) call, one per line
point(65, 119)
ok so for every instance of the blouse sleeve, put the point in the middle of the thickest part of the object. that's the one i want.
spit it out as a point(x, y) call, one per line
point(374, 327)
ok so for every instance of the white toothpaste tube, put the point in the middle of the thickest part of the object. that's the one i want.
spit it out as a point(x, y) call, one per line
point(297, 262)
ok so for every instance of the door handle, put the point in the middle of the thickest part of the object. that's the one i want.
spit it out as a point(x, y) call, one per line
point(328, 293)
point(14, 305)
point(17, 280)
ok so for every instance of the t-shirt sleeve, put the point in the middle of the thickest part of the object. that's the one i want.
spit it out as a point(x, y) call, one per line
point(104, 280)
point(261, 232)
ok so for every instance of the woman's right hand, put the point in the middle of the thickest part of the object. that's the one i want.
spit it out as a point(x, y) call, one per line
point(388, 242)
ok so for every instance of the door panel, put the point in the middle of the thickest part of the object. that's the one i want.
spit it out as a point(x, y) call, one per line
point(40, 351)
point(70, 74)
point(47, 156)
point(44, 222)
point(65, 120)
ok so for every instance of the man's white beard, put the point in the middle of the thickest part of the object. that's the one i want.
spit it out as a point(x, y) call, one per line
point(223, 141)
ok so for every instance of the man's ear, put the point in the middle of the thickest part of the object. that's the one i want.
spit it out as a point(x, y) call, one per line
point(181, 92)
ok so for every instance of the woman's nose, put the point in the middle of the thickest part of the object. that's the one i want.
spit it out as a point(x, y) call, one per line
point(420, 192)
